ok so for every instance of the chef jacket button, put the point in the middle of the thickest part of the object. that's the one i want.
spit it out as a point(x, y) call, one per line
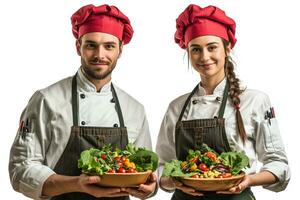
point(112, 100)
point(116, 125)
point(82, 122)
point(195, 101)
point(218, 99)
point(82, 96)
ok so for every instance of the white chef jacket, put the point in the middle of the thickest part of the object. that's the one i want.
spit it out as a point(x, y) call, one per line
point(34, 155)
point(263, 138)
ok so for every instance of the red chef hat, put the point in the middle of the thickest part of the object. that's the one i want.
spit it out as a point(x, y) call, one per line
point(195, 21)
point(104, 18)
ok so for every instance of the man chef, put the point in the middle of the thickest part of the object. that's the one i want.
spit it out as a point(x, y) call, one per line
point(77, 113)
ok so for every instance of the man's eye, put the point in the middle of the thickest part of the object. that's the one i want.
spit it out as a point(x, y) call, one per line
point(90, 46)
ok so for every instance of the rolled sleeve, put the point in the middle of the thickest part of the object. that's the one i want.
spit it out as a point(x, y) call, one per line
point(27, 156)
point(281, 171)
point(31, 183)
point(270, 149)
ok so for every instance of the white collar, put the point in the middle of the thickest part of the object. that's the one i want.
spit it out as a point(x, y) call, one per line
point(217, 91)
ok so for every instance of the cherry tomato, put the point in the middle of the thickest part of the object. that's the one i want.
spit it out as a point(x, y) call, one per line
point(203, 167)
point(123, 159)
point(117, 158)
point(195, 176)
point(103, 156)
point(121, 170)
point(120, 164)
point(225, 175)
point(131, 170)
point(112, 171)
point(211, 155)
point(194, 159)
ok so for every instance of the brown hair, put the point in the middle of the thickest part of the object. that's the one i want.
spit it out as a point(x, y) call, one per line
point(234, 92)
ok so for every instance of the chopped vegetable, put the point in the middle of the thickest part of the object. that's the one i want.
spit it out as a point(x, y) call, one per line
point(105, 160)
point(206, 163)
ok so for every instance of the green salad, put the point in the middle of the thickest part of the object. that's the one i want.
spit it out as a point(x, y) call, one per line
point(107, 160)
point(206, 163)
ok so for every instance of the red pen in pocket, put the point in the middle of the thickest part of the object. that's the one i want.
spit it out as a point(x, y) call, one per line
point(273, 112)
point(21, 126)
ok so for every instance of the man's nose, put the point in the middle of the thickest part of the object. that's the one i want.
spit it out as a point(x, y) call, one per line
point(100, 52)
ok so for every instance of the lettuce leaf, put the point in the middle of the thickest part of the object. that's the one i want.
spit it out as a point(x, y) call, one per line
point(88, 163)
point(172, 168)
point(144, 159)
point(235, 160)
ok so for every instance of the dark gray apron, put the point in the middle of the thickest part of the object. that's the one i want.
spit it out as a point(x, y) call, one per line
point(191, 134)
point(84, 137)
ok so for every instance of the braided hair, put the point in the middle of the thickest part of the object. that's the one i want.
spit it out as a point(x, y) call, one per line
point(234, 92)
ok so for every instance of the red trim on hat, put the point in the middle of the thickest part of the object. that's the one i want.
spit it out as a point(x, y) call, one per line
point(205, 27)
point(102, 23)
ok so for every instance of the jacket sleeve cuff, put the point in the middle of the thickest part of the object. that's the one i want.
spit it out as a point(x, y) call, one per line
point(282, 173)
point(32, 185)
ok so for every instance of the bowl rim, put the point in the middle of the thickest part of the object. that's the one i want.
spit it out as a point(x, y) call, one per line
point(239, 176)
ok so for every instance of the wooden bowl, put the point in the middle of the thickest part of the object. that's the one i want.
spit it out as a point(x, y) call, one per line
point(124, 179)
point(212, 184)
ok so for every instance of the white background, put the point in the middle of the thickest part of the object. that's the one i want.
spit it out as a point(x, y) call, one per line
point(37, 49)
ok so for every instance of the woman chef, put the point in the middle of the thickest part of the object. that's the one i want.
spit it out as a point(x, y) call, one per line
point(219, 112)
point(80, 112)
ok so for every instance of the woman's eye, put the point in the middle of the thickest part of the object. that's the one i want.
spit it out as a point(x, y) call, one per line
point(109, 46)
point(195, 50)
point(211, 48)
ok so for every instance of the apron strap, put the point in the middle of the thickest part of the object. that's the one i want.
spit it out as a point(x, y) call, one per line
point(118, 107)
point(223, 104)
point(187, 102)
point(75, 103)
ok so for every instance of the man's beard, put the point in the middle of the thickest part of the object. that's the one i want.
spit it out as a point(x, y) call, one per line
point(98, 74)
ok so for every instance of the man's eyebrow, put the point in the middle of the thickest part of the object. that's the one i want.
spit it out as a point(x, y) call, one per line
point(93, 42)
point(109, 42)
point(90, 41)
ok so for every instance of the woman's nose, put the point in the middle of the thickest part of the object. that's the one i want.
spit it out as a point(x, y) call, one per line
point(204, 56)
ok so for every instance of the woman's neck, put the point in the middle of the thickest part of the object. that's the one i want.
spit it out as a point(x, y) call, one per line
point(209, 84)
